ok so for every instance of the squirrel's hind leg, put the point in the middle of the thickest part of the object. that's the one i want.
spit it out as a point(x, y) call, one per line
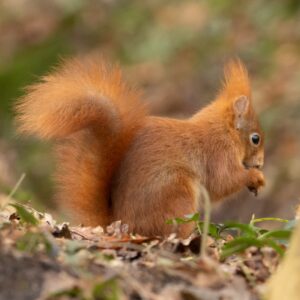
point(176, 199)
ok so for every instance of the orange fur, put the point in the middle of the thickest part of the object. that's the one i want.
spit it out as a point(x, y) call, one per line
point(117, 163)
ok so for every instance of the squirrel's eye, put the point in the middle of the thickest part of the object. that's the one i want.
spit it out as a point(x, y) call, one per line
point(255, 138)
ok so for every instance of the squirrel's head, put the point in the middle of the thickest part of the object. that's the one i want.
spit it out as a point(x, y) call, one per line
point(243, 121)
point(248, 132)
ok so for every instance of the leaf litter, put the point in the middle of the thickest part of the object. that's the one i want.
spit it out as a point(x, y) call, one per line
point(41, 259)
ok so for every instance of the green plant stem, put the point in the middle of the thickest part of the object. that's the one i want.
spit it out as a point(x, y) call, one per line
point(207, 212)
point(17, 185)
point(253, 221)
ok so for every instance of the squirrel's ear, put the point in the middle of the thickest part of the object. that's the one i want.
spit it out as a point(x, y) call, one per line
point(240, 109)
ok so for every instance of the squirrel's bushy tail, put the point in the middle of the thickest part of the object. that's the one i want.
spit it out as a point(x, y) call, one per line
point(87, 107)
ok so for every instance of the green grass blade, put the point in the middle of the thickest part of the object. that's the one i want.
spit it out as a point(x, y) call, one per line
point(242, 243)
point(246, 229)
point(184, 220)
point(232, 249)
point(253, 221)
point(277, 234)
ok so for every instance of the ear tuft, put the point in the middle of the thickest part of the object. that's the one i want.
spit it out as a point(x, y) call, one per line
point(236, 80)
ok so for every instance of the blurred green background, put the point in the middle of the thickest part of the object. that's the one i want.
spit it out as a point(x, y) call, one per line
point(174, 51)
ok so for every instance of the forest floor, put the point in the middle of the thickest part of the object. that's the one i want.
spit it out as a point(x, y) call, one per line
point(40, 259)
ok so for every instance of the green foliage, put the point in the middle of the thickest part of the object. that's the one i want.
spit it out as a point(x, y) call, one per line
point(25, 216)
point(244, 235)
point(240, 244)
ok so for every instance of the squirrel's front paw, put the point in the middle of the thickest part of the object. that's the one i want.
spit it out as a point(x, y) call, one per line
point(255, 181)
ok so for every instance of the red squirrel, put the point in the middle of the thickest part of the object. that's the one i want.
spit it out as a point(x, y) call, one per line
point(115, 162)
